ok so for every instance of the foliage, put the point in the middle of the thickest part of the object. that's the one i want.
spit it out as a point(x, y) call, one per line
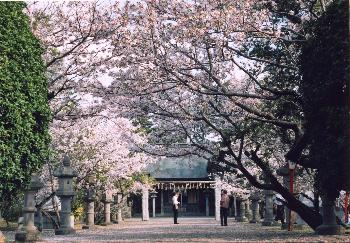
point(24, 110)
point(78, 204)
point(325, 70)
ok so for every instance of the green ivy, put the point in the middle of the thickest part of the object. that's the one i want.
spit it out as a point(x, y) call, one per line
point(24, 110)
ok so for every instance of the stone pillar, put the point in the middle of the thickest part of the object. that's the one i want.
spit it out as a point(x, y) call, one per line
point(161, 202)
point(145, 210)
point(242, 216)
point(119, 214)
point(65, 192)
point(329, 225)
point(118, 200)
point(248, 211)
point(217, 202)
point(90, 203)
point(284, 172)
point(107, 200)
point(153, 196)
point(268, 219)
point(28, 232)
point(255, 208)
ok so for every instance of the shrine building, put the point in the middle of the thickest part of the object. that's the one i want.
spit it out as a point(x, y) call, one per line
point(188, 175)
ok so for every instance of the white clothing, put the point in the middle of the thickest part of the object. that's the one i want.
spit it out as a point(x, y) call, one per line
point(176, 202)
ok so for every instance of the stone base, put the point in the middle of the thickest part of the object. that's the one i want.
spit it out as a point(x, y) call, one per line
point(88, 226)
point(64, 231)
point(331, 229)
point(22, 236)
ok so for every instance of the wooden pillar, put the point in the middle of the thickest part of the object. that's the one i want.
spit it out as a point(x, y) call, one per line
point(217, 202)
point(161, 202)
point(206, 205)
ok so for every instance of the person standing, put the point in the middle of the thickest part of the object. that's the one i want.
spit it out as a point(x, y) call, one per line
point(224, 205)
point(175, 206)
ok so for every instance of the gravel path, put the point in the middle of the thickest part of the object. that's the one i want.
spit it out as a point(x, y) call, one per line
point(189, 230)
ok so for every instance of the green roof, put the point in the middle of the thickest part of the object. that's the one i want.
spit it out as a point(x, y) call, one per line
point(189, 167)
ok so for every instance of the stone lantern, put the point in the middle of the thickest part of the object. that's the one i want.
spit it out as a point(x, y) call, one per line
point(118, 201)
point(107, 199)
point(28, 232)
point(255, 208)
point(90, 214)
point(248, 211)
point(284, 173)
point(268, 219)
point(153, 195)
point(65, 192)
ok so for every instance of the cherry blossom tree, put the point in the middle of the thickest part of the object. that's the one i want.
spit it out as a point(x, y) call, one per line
point(224, 70)
point(80, 39)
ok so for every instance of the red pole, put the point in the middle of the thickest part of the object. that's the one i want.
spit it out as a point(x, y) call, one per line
point(291, 189)
point(346, 204)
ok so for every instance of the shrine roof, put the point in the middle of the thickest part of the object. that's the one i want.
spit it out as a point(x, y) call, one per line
point(189, 167)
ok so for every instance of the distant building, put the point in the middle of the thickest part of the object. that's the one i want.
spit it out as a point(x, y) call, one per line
point(188, 175)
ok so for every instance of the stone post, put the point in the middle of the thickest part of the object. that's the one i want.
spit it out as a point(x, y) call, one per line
point(242, 215)
point(268, 219)
point(329, 225)
point(90, 214)
point(65, 191)
point(107, 200)
point(145, 210)
point(118, 199)
point(217, 202)
point(28, 232)
point(284, 172)
point(119, 214)
point(255, 208)
point(248, 211)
